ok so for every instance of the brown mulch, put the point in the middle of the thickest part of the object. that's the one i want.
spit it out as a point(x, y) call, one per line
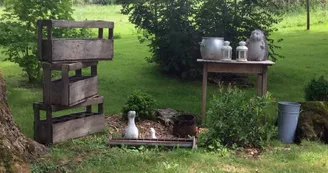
point(117, 126)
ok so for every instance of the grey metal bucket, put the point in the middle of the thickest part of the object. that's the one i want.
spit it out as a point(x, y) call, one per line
point(288, 113)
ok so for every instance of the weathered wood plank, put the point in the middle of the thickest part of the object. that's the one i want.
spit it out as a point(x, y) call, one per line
point(204, 90)
point(39, 30)
point(234, 68)
point(264, 81)
point(83, 89)
point(79, 89)
point(259, 84)
point(65, 93)
point(36, 109)
point(47, 92)
point(87, 102)
point(82, 24)
point(78, 127)
point(78, 49)
point(100, 32)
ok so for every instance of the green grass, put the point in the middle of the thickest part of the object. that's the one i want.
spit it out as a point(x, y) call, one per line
point(93, 155)
point(306, 57)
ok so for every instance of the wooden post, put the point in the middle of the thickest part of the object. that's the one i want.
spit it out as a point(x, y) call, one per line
point(47, 83)
point(308, 14)
point(264, 80)
point(78, 72)
point(205, 67)
point(259, 84)
point(49, 125)
point(65, 85)
point(39, 30)
point(36, 110)
point(100, 32)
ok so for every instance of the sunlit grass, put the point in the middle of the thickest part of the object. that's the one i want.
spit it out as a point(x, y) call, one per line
point(306, 57)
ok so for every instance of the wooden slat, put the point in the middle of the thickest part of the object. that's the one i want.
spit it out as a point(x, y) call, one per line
point(65, 93)
point(71, 65)
point(78, 72)
point(153, 142)
point(87, 102)
point(48, 128)
point(47, 92)
point(259, 84)
point(39, 28)
point(204, 90)
point(83, 89)
point(234, 68)
point(264, 81)
point(100, 32)
point(78, 50)
point(79, 89)
point(36, 109)
point(82, 24)
point(78, 127)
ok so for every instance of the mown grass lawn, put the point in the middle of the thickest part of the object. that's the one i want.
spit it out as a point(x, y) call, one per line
point(306, 57)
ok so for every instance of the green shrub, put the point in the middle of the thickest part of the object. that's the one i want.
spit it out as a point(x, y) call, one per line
point(101, 2)
point(236, 120)
point(142, 103)
point(174, 28)
point(18, 33)
point(317, 90)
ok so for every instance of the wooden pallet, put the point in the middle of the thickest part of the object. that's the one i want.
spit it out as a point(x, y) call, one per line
point(56, 129)
point(181, 142)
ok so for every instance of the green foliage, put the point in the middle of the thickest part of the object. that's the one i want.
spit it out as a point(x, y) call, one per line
point(235, 20)
point(101, 2)
point(172, 34)
point(142, 103)
point(236, 120)
point(174, 28)
point(317, 90)
point(18, 33)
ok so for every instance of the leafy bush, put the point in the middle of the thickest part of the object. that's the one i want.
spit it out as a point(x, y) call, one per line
point(142, 103)
point(173, 36)
point(234, 119)
point(18, 33)
point(174, 28)
point(317, 90)
point(101, 2)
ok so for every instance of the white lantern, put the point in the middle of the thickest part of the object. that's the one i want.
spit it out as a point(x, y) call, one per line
point(242, 52)
point(226, 51)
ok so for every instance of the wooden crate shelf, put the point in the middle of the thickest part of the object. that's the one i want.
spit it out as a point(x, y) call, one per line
point(75, 125)
point(69, 91)
point(76, 49)
point(76, 90)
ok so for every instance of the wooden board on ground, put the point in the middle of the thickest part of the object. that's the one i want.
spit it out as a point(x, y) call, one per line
point(181, 142)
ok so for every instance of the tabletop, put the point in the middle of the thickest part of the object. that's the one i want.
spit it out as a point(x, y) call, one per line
point(267, 62)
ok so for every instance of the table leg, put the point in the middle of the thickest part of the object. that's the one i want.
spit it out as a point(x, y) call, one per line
point(204, 90)
point(259, 84)
point(264, 81)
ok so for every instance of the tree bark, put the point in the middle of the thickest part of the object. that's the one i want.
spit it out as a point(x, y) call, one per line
point(16, 150)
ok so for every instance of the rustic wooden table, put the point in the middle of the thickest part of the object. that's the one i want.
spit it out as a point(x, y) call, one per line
point(250, 67)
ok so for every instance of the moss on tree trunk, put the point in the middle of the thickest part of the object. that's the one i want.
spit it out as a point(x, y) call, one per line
point(16, 150)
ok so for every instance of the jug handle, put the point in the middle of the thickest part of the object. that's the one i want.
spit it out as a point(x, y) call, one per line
point(201, 44)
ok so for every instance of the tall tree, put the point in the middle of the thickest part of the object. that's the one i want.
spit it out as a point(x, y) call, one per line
point(15, 149)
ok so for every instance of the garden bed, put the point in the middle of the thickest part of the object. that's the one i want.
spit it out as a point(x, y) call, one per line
point(116, 126)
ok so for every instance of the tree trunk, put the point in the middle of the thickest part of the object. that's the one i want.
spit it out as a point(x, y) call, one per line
point(15, 149)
